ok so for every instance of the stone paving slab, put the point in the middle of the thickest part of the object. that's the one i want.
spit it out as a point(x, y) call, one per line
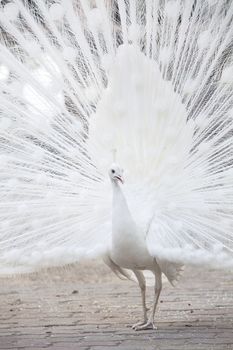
point(86, 307)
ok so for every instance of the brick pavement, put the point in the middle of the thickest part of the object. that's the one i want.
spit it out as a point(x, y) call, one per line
point(85, 307)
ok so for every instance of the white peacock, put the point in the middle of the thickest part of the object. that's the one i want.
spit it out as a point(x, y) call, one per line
point(153, 81)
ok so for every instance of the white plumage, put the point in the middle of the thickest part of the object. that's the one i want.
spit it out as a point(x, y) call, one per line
point(129, 250)
point(148, 80)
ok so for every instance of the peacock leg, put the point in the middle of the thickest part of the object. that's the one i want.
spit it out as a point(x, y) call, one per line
point(142, 284)
point(158, 287)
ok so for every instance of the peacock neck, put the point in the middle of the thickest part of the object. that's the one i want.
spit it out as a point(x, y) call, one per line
point(119, 204)
point(118, 195)
point(124, 231)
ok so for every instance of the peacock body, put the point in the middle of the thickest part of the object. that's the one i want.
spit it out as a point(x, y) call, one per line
point(146, 83)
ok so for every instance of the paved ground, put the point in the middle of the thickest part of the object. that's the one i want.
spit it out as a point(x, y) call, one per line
point(86, 307)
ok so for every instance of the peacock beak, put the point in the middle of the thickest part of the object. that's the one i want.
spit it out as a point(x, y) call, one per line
point(119, 178)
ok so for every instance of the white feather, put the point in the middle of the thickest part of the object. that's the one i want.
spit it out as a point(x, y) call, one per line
point(77, 80)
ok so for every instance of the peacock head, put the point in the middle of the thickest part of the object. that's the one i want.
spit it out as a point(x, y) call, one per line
point(116, 173)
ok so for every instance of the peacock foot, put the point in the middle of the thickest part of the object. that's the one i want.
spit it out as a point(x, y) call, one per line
point(144, 325)
point(138, 324)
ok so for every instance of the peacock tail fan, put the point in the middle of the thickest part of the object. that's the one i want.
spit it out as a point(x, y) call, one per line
point(149, 80)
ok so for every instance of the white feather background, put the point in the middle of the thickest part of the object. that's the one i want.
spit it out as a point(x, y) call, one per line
point(151, 80)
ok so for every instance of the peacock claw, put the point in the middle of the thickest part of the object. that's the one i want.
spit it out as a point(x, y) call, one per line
point(138, 324)
point(144, 325)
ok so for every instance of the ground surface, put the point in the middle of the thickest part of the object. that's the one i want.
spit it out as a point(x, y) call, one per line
point(86, 307)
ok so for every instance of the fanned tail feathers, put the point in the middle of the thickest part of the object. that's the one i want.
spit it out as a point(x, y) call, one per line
point(150, 79)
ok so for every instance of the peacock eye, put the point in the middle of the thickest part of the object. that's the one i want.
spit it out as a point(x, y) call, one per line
point(113, 171)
